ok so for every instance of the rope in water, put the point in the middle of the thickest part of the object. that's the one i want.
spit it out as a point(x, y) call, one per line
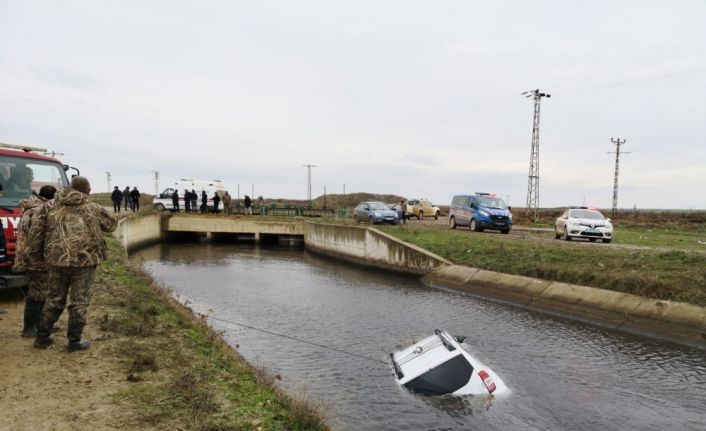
point(322, 346)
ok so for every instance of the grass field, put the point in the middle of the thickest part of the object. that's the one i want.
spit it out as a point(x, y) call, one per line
point(674, 274)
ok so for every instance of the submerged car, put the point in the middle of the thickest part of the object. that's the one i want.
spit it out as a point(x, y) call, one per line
point(583, 222)
point(375, 213)
point(442, 364)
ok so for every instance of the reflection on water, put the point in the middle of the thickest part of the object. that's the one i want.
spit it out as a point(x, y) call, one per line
point(563, 375)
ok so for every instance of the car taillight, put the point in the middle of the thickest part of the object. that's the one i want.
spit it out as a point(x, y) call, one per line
point(487, 380)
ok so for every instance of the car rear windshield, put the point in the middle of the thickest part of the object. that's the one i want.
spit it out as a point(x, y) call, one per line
point(593, 215)
point(493, 202)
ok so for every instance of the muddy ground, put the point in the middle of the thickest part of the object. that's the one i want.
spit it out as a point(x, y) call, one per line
point(55, 390)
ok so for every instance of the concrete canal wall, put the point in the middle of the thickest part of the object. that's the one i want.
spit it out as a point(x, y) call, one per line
point(369, 246)
point(677, 321)
point(134, 232)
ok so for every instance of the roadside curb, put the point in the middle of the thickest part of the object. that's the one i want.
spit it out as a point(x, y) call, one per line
point(675, 321)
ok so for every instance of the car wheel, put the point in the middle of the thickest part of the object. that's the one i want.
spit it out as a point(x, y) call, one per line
point(557, 235)
point(505, 231)
point(355, 218)
point(592, 239)
point(436, 215)
point(566, 235)
point(159, 207)
point(473, 226)
point(421, 215)
point(452, 222)
point(372, 220)
point(607, 241)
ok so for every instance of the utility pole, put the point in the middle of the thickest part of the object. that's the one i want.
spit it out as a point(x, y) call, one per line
point(252, 191)
point(344, 189)
point(533, 181)
point(156, 182)
point(308, 192)
point(107, 174)
point(324, 197)
point(617, 142)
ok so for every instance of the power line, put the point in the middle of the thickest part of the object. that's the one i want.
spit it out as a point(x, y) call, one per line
point(533, 180)
point(617, 143)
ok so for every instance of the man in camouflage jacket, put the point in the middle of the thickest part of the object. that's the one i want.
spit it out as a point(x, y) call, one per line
point(68, 232)
point(36, 268)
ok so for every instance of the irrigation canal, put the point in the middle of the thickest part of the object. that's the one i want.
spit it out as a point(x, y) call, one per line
point(340, 322)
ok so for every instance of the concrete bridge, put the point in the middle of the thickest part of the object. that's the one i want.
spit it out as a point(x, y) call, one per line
point(256, 226)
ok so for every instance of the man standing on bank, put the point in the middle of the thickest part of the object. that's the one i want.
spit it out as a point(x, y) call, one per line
point(135, 196)
point(117, 198)
point(68, 232)
point(38, 277)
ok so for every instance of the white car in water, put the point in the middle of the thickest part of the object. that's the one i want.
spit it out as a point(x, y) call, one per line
point(442, 364)
point(583, 222)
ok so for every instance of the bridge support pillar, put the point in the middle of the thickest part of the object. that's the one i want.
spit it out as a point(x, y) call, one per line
point(257, 237)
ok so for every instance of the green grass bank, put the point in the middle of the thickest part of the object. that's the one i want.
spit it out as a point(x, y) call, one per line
point(678, 275)
point(181, 374)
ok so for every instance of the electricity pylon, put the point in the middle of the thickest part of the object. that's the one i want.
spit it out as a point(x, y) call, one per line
point(533, 181)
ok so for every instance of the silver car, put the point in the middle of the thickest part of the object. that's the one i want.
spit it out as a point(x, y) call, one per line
point(583, 222)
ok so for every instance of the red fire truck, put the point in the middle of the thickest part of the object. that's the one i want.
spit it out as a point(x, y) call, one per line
point(23, 170)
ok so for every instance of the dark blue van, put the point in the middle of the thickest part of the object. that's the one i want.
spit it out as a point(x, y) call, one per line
point(480, 211)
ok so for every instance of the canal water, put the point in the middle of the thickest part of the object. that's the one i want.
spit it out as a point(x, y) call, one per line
point(327, 328)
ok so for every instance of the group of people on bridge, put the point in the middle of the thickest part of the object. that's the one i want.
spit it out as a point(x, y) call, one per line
point(131, 198)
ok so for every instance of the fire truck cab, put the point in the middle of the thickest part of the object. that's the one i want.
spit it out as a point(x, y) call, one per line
point(23, 171)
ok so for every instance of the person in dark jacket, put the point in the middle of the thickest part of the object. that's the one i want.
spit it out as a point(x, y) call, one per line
point(175, 200)
point(216, 201)
point(127, 198)
point(187, 201)
point(194, 201)
point(204, 202)
point(247, 202)
point(117, 198)
point(135, 196)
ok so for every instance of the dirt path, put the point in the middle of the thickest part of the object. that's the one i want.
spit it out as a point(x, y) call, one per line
point(56, 390)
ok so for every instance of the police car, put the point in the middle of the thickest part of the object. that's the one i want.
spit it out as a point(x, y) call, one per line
point(583, 222)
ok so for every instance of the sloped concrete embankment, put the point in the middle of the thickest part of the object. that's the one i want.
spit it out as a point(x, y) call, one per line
point(370, 247)
point(676, 321)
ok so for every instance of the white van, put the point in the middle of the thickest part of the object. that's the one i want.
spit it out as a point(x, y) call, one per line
point(164, 200)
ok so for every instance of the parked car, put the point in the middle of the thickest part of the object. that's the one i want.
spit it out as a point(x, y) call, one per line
point(420, 208)
point(583, 222)
point(375, 212)
point(480, 211)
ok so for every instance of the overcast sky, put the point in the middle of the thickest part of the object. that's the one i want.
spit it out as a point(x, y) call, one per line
point(416, 98)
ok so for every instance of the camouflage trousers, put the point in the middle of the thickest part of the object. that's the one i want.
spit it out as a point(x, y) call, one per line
point(38, 286)
point(74, 282)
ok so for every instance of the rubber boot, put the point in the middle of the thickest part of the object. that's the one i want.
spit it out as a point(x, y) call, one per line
point(75, 341)
point(33, 309)
point(43, 339)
